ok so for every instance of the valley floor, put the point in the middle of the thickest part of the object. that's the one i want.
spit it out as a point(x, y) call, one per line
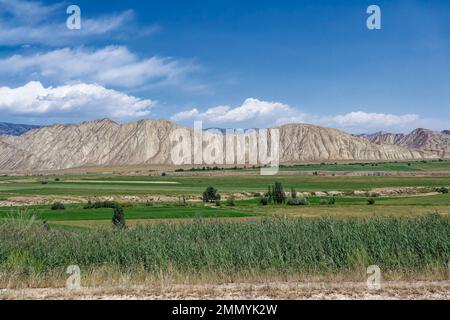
point(405, 229)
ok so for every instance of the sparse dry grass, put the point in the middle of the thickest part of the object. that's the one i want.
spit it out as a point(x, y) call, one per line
point(291, 290)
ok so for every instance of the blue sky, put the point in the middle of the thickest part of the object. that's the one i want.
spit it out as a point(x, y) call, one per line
point(228, 63)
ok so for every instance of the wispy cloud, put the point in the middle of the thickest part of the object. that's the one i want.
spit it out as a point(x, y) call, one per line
point(25, 22)
point(82, 101)
point(112, 66)
point(27, 11)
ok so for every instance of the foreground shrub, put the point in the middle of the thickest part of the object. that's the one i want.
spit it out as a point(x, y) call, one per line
point(58, 206)
point(371, 201)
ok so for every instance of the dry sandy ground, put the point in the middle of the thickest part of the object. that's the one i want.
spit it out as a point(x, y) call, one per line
point(47, 200)
point(268, 290)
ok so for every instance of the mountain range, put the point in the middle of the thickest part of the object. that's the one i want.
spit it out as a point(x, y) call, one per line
point(15, 129)
point(107, 143)
point(423, 139)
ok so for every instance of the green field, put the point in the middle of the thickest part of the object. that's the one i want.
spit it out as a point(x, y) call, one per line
point(410, 166)
point(75, 213)
point(413, 166)
point(87, 186)
point(98, 185)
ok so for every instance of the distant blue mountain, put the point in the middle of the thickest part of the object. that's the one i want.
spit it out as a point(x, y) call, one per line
point(13, 129)
point(224, 130)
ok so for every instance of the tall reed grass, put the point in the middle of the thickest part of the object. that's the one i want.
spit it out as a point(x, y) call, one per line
point(282, 246)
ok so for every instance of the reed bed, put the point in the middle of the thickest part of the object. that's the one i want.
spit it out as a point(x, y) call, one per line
point(266, 246)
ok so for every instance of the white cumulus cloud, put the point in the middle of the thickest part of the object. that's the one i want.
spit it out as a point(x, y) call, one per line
point(357, 121)
point(256, 111)
point(185, 115)
point(83, 101)
point(372, 119)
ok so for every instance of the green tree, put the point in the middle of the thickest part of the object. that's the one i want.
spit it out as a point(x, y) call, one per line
point(118, 219)
point(210, 195)
point(293, 193)
point(279, 196)
point(269, 195)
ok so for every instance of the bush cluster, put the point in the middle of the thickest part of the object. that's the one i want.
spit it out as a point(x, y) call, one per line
point(230, 201)
point(297, 202)
point(58, 206)
point(330, 201)
point(442, 190)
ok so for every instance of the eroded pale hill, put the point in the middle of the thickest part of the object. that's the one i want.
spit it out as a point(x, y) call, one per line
point(384, 137)
point(312, 143)
point(107, 143)
point(96, 143)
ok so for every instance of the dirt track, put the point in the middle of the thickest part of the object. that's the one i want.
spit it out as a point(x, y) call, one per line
point(270, 290)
